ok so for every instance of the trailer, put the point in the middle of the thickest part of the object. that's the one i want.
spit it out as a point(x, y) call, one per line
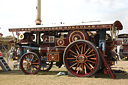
point(83, 48)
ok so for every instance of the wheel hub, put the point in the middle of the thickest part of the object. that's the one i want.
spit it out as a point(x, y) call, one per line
point(29, 63)
point(81, 58)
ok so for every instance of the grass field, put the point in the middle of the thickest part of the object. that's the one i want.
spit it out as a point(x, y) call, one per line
point(17, 77)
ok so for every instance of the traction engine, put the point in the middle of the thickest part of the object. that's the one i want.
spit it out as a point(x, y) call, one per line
point(72, 45)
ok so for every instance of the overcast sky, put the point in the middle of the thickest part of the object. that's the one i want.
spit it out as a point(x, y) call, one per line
point(14, 13)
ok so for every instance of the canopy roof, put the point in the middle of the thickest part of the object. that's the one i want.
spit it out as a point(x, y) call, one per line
point(63, 27)
point(123, 36)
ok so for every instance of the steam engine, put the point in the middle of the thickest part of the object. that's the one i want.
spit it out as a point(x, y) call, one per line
point(51, 45)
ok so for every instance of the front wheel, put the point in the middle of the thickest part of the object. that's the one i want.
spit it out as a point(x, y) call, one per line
point(30, 63)
point(81, 58)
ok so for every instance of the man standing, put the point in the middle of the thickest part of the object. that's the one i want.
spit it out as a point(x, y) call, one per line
point(102, 40)
point(97, 37)
point(18, 54)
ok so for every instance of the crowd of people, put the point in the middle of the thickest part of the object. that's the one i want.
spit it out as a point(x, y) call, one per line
point(13, 52)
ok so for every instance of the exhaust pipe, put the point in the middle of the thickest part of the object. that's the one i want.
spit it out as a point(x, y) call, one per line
point(38, 18)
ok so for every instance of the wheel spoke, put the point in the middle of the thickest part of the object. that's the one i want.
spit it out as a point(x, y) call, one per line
point(26, 59)
point(91, 61)
point(28, 67)
point(36, 66)
point(31, 69)
point(77, 51)
point(73, 61)
point(29, 57)
point(35, 63)
point(86, 51)
point(35, 59)
point(85, 71)
point(81, 49)
point(78, 47)
point(82, 67)
point(78, 69)
point(77, 66)
point(32, 58)
point(92, 58)
point(25, 63)
point(71, 58)
point(90, 52)
point(73, 55)
point(84, 47)
point(73, 52)
point(91, 65)
point(88, 66)
point(73, 65)
point(91, 55)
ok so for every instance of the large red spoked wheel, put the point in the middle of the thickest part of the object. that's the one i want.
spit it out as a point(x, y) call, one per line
point(81, 58)
point(30, 63)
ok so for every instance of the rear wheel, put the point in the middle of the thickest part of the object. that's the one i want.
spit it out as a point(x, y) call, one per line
point(81, 58)
point(30, 63)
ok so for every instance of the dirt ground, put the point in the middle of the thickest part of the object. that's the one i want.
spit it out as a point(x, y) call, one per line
point(17, 77)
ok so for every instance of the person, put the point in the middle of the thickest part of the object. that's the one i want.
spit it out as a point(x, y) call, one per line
point(11, 52)
point(115, 54)
point(118, 51)
point(108, 37)
point(102, 45)
point(25, 50)
point(28, 50)
point(96, 38)
point(32, 37)
point(18, 54)
point(102, 40)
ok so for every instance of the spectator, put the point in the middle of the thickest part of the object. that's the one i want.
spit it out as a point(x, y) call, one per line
point(25, 50)
point(28, 50)
point(18, 54)
point(115, 52)
point(97, 37)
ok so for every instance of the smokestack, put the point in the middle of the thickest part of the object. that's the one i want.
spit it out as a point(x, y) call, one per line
point(38, 18)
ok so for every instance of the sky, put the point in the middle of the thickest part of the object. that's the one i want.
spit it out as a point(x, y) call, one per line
point(17, 13)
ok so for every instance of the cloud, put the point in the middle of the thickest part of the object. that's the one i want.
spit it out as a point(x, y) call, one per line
point(114, 4)
point(23, 12)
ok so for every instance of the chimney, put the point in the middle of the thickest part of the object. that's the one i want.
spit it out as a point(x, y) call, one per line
point(38, 18)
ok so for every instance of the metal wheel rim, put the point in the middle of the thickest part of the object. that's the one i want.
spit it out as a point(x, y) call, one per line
point(80, 62)
point(30, 63)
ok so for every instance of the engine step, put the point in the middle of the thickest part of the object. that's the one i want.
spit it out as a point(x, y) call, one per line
point(4, 65)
